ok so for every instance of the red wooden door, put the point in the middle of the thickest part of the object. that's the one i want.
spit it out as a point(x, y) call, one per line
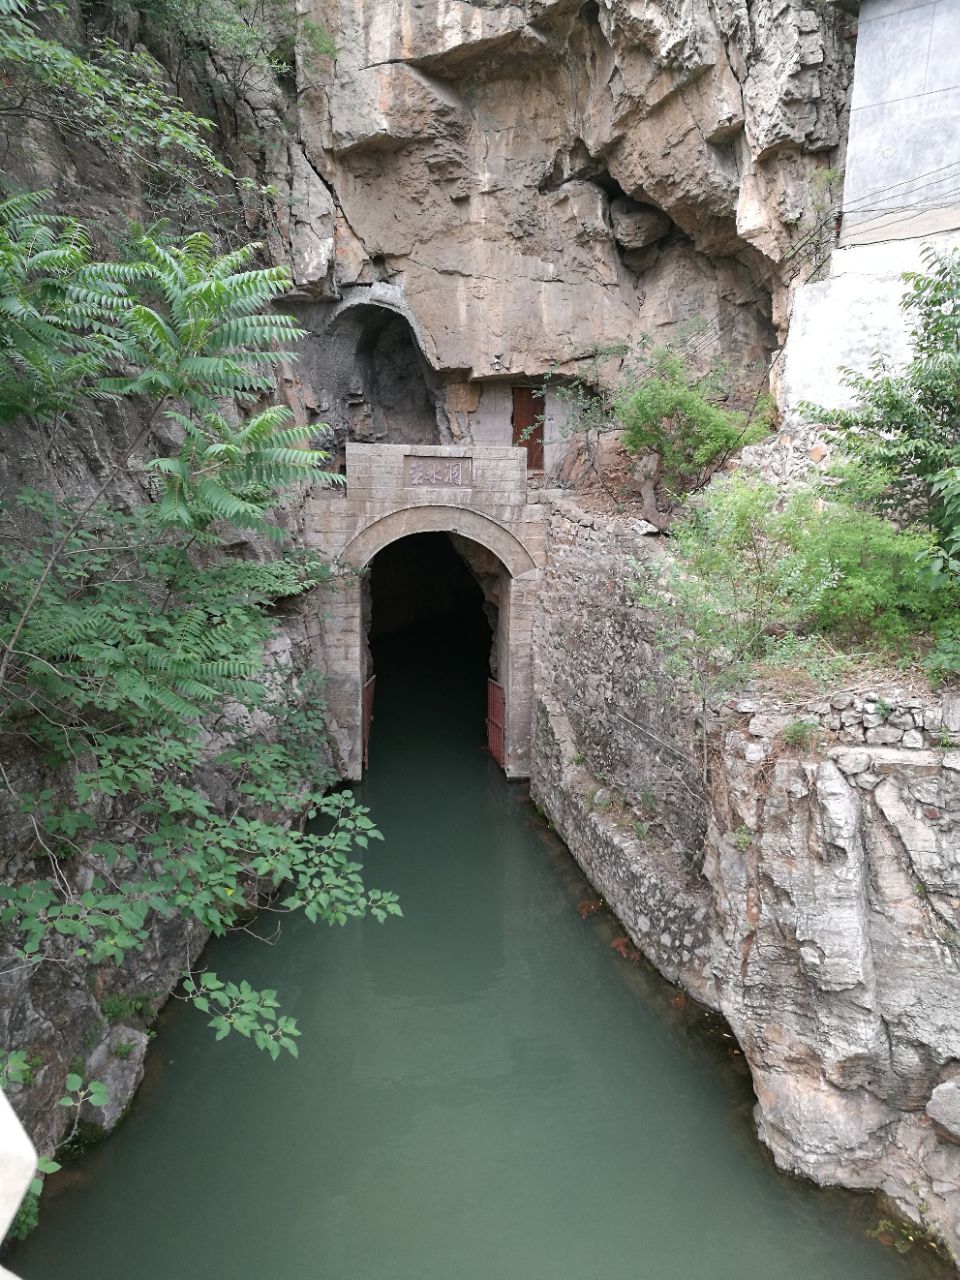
point(528, 424)
point(368, 689)
point(495, 720)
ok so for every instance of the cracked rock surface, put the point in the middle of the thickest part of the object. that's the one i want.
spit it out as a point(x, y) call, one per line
point(542, 178)
point(810, 895)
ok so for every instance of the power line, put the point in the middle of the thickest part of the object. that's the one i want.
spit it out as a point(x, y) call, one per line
point(892, 186)
point(702, 338)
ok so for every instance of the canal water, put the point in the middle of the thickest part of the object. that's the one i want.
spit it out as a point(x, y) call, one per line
point(486, 1090)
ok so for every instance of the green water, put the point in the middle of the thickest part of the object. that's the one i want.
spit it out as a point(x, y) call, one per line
point(485, 1089)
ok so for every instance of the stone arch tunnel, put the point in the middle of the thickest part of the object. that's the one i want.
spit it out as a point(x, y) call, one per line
point(478, 494)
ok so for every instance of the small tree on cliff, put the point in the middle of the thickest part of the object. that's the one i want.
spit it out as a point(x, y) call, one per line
point(904, 431)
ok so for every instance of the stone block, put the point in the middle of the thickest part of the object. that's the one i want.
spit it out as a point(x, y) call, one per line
point(944, 1109)
point(850, 762)
point(883, 737)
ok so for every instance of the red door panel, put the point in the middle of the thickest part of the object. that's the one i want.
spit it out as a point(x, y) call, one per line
point(495, 721)
point(528, 424)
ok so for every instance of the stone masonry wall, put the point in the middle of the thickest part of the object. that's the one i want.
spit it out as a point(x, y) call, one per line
point(595, 655)
point(810, 892)
point(392, 491)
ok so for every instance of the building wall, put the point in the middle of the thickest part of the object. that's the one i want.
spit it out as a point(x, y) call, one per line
point(902, 177)
point(901, 193)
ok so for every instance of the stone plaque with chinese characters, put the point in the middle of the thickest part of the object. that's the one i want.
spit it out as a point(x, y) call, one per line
point(437, 473)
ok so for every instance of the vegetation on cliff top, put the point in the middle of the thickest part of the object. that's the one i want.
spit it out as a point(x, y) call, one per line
point(867, 562)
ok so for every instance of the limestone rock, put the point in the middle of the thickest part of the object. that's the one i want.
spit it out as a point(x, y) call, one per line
point(823, 898)
point(531, 160)
point(944, 1108)
point(117, 1062)
point(635, 226)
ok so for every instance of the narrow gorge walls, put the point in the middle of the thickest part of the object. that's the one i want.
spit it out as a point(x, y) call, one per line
point(811, 895)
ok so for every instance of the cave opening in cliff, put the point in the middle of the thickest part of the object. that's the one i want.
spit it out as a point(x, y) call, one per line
point(399, 402)
point(374, 384)
point(433, 615)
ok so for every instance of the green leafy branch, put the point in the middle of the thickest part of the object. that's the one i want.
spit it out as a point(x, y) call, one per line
point(109, 95)
point(238, 1007)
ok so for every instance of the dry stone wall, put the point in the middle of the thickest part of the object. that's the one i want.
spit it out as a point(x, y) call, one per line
point(810, 891)
point(612, 763)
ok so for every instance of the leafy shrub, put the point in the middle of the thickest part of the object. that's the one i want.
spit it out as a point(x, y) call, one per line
point(884, 590)
point(121, 1008)
point(671, 414)
point(904, 431)
point(809, 566)
point(802, 734)
point(26, 1217)
point(107, 94)
point(756, 581)
point(943, 660)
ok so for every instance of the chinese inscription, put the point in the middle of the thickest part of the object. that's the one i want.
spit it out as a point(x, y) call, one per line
point(437, 473)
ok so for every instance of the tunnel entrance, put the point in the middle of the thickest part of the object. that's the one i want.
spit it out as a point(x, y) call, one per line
point(432, 621)
point(476, 499)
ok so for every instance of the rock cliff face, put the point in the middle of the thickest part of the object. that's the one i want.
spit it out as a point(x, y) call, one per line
point(475, 194)
point(525, 183)
point(812, 896)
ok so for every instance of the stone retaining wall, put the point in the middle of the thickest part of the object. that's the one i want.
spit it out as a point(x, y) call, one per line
point(595, 654)
point(891, 717)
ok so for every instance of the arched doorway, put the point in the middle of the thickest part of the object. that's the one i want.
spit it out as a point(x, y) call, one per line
point(475, 495)
point(506, 578)
point(431, 612)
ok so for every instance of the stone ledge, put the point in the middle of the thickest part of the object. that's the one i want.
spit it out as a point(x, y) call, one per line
point(858, 759)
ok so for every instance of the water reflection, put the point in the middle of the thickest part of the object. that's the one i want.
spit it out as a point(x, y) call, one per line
point(484, 1090)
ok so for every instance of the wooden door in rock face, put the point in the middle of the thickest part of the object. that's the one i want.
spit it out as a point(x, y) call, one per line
point(528, 424)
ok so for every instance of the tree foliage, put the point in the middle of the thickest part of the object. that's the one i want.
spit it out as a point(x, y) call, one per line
point(251, 38)
point(135, 649)
point(904, 431)
point(105, 94)
point(137, 676)
point(179, 328)
point(677, 415)
point(685, 418)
